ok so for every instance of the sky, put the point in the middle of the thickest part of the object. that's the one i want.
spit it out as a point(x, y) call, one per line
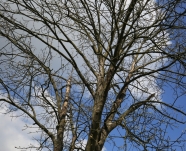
point(12, 133)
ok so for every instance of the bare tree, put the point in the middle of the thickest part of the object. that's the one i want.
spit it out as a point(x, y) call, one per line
point(89, 73)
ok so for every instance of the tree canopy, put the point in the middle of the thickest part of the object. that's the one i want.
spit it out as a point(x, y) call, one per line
point(88, 73)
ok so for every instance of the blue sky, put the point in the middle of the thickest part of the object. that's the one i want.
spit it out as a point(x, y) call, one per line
point(11, 129)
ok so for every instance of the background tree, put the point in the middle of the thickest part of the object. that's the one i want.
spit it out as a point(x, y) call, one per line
point(91, 72)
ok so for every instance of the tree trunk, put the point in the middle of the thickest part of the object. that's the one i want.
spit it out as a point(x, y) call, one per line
point(100, 97)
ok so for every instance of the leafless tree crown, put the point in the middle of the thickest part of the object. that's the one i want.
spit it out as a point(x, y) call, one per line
point(90, 73)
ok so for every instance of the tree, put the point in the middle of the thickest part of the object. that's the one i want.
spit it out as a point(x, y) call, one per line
point(90, 72)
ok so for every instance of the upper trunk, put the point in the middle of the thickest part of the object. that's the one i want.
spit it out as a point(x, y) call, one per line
point(58, 144)
point(100, 97)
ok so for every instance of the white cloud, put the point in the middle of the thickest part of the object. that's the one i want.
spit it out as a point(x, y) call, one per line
point(12, 133)
point(83, 143)
point(142, 87)
point(104, 149)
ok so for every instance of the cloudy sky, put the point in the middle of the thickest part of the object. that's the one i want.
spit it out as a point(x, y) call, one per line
point(12, 133)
